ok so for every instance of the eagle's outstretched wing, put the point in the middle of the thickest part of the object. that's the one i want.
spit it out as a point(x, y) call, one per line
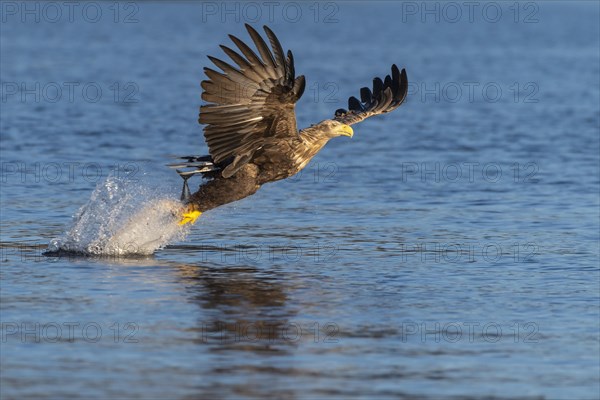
point(250, 105)
point(387, 95)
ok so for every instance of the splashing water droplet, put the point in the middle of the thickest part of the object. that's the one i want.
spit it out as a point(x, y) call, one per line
point(123, 218)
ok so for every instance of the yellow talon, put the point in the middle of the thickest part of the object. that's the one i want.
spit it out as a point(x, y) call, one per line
point(190, 215)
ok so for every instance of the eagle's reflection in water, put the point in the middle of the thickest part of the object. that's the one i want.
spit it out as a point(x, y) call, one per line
point(243, 308)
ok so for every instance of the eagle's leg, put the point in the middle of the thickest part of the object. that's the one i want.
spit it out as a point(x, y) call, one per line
point(219, 191)
point(185, 192)
point(190, 213)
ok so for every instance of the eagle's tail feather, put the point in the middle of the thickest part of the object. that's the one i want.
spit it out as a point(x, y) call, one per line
point(190, 166)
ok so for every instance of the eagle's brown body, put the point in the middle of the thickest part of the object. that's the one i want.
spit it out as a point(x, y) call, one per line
point(220, 191)
point(250, 124)
point(266, 166)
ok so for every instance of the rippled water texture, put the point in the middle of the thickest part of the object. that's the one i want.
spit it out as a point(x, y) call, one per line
point(449, 249)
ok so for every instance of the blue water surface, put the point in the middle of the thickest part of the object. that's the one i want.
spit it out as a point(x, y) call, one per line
point(450, 249)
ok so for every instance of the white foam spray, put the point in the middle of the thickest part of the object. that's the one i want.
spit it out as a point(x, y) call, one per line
point(124, 218)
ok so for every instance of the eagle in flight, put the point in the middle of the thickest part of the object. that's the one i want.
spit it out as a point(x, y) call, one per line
point(250, 125)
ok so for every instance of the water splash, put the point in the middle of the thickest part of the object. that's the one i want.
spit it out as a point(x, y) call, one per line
point(124, 218)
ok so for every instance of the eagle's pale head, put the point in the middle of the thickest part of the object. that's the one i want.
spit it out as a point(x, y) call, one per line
point(331, 128)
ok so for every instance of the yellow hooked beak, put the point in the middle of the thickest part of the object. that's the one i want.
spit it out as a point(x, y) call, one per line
point(346, 130)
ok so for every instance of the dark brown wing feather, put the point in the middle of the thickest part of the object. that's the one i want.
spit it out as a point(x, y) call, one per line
point(251, 104)
point(387, 95)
